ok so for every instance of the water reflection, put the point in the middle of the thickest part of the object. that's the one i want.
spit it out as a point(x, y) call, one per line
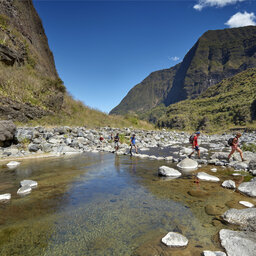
point(102, 204)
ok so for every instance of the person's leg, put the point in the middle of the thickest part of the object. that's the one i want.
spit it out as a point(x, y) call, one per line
point(198, 153)
point(240, 152)
point(231, 153)
point(191, 153)
point(136, 149)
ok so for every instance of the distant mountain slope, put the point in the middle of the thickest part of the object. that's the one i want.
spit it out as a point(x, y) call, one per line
point(229, 103)
point(152, 91)
point(216, 55)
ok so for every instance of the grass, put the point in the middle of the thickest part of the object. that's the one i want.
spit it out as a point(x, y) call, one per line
point(230, 103)
point(75, 113)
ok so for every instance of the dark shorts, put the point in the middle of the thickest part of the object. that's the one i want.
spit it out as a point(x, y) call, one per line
point(196, 148)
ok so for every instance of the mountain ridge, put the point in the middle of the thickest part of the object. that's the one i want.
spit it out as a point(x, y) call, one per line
point(218, 54)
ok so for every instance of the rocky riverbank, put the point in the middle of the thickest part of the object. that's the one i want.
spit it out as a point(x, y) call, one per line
point(162, 145)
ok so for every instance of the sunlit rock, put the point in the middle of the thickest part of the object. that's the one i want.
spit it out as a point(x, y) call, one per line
point(173, 239)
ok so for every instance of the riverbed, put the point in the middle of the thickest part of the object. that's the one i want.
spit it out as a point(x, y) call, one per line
point(105, 204)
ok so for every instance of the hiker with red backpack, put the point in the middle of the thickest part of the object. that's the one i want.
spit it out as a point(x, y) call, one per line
point(195, 147)
point(233, 142)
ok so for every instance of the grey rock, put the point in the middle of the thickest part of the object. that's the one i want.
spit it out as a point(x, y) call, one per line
point(229, 184)
point(239, 217)
point(215, 253)
point(187, 164)
point(207, 177)
point(220, 155)
point(6, 196)
point(173, 239)
point(24, 190)
point(46, 147)
point(248, 188)
point(168, 172)
point(238, 243)
point(252, 165)
point(7, 132)
point(33, 147)
point(13, 164)
point(30, 183)
point(253, 172)
point(240, 165)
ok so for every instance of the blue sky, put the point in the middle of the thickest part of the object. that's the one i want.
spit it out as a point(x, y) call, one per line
point(104, 48)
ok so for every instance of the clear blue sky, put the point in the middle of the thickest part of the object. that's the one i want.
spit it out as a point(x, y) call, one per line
point(104, 48)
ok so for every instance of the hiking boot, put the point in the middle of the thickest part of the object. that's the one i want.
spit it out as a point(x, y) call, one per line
point(189, 156)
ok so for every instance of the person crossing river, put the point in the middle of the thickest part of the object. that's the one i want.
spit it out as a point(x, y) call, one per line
point(194, 141)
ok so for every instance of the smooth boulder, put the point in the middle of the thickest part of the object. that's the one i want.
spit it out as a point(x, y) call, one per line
point(187, 164)
point(207, 177)
point(30, 183)
point(215, 253)
point(6, 196)
point(7, 133)
point(246, 204)
point(24, 190)
point(173, 239)
point(238, 243)
point(13, 164)
point(168, 172)
point(228, 184)
point(248, 188)
point(239, 217)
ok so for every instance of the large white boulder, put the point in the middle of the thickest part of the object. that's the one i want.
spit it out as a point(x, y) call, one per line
point(239, 217)
point(248, 188)
point(238, 243)
point(173, 239)
point(187, 164)
point(207, 177)
point(168, 172)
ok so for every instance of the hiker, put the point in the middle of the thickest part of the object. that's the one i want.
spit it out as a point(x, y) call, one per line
point(234, 146)
point(133, 144)
point(101, 141)
point(195, 146)
point(116, 140)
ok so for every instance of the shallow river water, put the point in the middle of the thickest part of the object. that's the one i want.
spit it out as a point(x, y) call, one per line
point(103, 204)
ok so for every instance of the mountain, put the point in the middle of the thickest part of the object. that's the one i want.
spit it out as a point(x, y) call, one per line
point(216, 55)
point(151, 92)
point(29, 84)
point(31, 90)
point(229, 103)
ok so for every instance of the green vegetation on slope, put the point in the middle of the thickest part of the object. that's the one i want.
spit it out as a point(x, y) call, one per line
point(232, 102)
point(217, 55)
point(151, 92)
point(75, 113)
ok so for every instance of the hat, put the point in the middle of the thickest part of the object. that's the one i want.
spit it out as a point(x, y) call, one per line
point(197, 132)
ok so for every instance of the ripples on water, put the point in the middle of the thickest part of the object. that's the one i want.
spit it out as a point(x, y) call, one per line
point(102, 204)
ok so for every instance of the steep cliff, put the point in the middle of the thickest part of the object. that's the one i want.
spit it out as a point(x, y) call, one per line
point(29, 84)
point(216, 55)
point(151, 92)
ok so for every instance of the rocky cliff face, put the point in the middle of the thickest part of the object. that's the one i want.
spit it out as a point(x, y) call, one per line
point(151, 92)
point(28, 77)
point(22, 18)
point(216, 55)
